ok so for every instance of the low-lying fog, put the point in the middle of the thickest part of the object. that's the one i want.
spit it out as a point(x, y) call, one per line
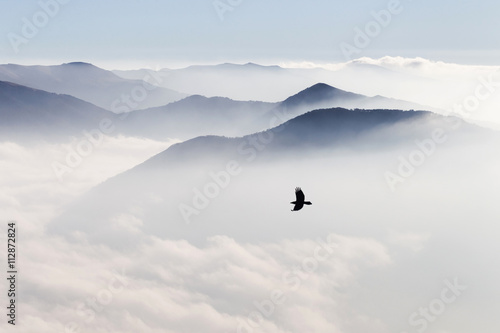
point(428, 241)
point(400, 237)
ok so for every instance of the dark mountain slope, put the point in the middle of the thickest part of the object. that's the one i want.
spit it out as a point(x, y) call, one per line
point(197, 115)
point(30, 113)
point(322, 96)
point(160, 185)
point(89, 83)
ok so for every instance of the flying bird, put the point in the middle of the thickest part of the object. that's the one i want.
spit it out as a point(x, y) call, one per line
point(299, 201)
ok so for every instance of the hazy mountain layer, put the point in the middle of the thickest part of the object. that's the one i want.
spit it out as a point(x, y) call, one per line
point(92, 84)
point(183, 183)
point(28, 113)
point(198, 115)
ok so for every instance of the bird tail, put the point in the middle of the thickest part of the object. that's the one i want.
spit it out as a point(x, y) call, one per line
point(307, 203)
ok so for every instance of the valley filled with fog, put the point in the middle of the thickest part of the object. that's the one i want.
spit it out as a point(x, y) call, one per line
point(174, 186)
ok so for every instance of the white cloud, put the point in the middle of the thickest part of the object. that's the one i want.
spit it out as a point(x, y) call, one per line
point(30, 190)
point(425, 67)
point(172, 285)
point(169, 286)
point(163, 285)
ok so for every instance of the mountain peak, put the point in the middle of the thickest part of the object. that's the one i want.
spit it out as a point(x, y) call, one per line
point(78, 63)
point(316, 93)
point(320, 86)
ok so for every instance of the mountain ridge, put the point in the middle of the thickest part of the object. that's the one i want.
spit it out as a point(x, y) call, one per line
point(87, 82)
point(318, 134)
point(29, 113)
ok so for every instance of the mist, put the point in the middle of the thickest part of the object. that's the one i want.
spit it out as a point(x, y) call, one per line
point(247, 244)
point(401, 242)
point(167, 228)
point(434, 84)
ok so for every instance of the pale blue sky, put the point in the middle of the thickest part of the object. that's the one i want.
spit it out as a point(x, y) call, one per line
point(139, 33)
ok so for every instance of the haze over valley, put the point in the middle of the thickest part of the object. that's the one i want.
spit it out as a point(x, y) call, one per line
point(178, 184)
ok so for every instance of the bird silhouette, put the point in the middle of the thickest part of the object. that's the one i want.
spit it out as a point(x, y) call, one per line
point(299, 201)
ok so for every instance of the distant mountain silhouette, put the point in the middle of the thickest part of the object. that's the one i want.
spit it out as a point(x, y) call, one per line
point(190, 117)
point(38, 113)
point(89, 83)
point(315, 130)
point(319, 93)
point(322, 133)
point(244, 82)
point(274, 83)
point(198, 115)
point(322, 95)
point(31, 113)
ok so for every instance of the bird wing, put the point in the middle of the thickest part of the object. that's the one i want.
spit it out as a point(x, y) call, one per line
point(298, 206)
point(299, 195)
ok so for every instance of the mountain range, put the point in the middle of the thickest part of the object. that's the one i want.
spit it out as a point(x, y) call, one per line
point(62, 116)
point(319, 131)
point(179, 175)
point(276, 83)
point(28, 113)
point(92, 84)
